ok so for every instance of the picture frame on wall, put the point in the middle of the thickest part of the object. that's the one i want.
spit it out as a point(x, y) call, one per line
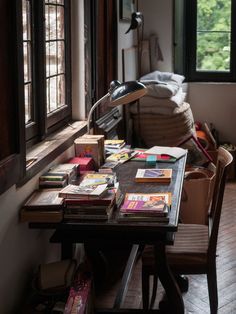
point(127, 7)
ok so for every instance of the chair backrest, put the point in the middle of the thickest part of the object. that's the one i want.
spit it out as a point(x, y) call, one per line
point(224, 160)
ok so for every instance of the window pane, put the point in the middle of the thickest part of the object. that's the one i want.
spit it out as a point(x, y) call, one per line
point(51, 58)
point(27, 55)
point(60, 22)
point(61, 90)
point(213, 51)
point(27, 61)
point(61, 57)
point(51, 94)
point(28, 108)
point(55, 54)
point(52, 21)
point(213, 35)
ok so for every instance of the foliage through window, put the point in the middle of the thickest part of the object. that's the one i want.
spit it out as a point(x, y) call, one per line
point(213, 35)
point(210, 37)
point(46, 55)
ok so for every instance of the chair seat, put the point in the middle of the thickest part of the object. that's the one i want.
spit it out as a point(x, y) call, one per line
point(189, 249)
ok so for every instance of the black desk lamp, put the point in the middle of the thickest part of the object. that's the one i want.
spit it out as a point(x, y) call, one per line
point(119, 94)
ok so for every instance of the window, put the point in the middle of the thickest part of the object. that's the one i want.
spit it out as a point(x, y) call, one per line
point(46, 58)
point(210, 38)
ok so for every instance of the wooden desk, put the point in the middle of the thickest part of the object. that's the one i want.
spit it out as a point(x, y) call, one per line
point(141, 233)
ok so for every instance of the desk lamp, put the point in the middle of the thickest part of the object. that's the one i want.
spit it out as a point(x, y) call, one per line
point(119, 94)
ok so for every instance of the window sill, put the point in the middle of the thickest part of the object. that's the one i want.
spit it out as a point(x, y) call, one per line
point(43, 153)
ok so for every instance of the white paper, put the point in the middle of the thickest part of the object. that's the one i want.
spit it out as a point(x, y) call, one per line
point(175, 152)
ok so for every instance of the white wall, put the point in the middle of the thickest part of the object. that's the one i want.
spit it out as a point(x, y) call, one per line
point(123, 41)
point(210, 102)
point(158, 20)
point(21, 249)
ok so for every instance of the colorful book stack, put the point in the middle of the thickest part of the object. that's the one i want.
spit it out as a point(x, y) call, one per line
point(58, 176)
point(91, 199)
point(43, 205)
point(113, 146)
point(52, 180)
point(90, 146)
point(151, 207)
point(99, 209)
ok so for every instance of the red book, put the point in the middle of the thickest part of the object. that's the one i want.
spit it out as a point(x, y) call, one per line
point(85, 163)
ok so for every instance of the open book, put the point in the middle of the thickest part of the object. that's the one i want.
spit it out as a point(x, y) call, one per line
point(176, 152)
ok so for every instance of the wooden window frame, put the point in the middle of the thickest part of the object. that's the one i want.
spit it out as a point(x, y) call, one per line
point(45, 124)
point(185, 51)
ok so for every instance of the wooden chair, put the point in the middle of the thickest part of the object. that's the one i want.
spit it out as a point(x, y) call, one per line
point(194, 249)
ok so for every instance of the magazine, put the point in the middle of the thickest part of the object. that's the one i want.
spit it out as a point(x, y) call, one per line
point(153, 175)
point(146, 204)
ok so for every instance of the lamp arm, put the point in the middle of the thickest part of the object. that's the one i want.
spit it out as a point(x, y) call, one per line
point(92, 110)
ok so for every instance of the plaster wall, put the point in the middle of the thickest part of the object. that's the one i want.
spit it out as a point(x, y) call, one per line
point(210, 102)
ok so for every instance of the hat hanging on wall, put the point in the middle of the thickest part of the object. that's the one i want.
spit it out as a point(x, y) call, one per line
point(136, 21)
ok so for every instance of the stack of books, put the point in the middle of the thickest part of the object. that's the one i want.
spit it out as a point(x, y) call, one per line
point(52, 180)
point(99, 209)
point(59, 176)
point(145, 207)
point(91, 146)
point(113, 146)
point(43, 205)
point(83, 191)
point(92, 199)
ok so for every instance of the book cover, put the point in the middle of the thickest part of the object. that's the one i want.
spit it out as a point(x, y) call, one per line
point(88, 148)
point(146, 204)
point(142, 156)
point(44, 198)
point(52, 177)
point(52, 184)
point(27, 215)
point(122, 156)
point(153, 175)
point(106, 199)
point(78, 191)
point(99, 178)
point(122, 218)
point(176, 152)
point(114, 143)
point(100, 139)
point(85, 163)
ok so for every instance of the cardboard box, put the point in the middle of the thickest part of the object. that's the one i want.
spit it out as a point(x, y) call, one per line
point(197, 194)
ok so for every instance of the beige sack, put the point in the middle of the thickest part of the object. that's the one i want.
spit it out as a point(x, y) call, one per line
point(197, 194)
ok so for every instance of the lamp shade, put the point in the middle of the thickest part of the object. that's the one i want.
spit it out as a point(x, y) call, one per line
point(119, 94)
point(125, 93)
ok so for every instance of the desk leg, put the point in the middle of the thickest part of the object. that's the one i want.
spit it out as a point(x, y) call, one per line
point(175, 300)
point(126, 277)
